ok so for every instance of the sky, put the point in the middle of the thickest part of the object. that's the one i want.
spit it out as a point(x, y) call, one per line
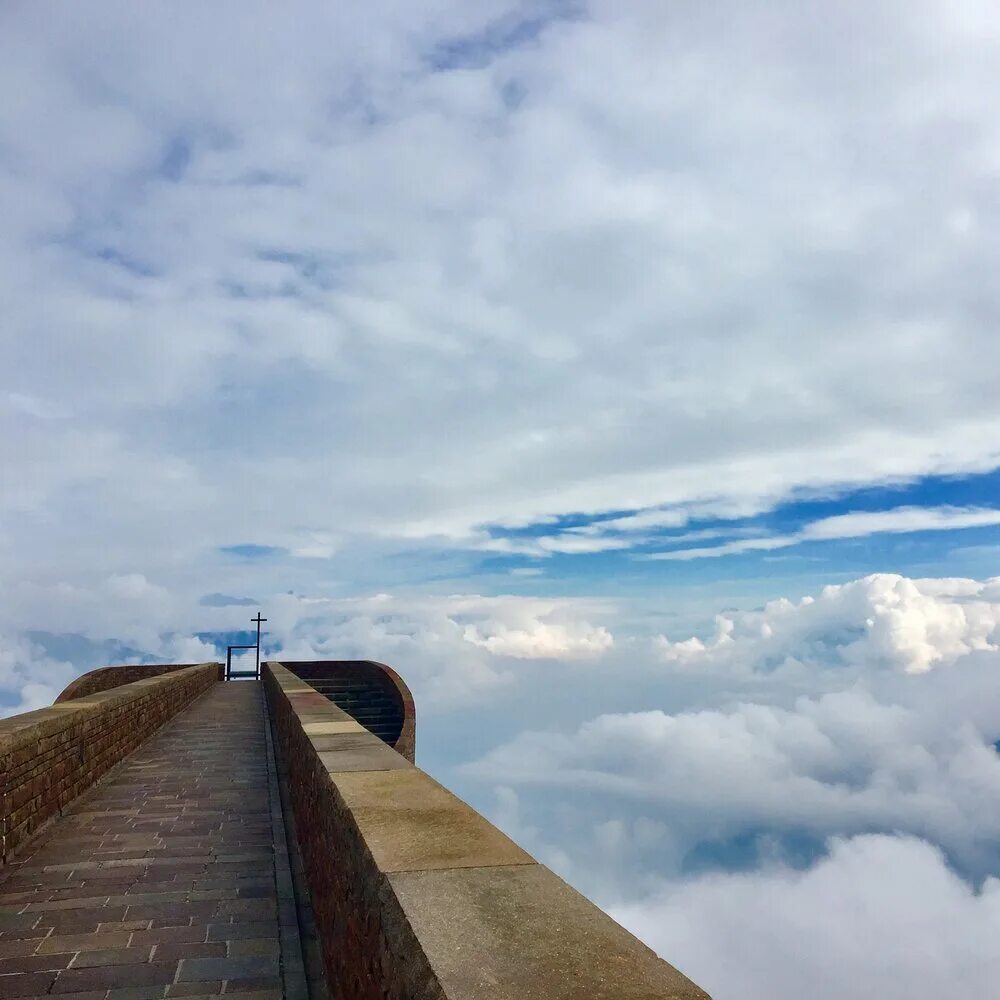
point(624, 374)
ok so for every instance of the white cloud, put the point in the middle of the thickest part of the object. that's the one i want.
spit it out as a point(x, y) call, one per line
point(641, 521)
point(880, 916)
point(547, 545)
point(732, 548)
point(881, 620)
point(843, 762)
point(28, 678)
point(841, 729)
point(541, 641)
point(855, 524)
point(453, 651)
point(858, 524)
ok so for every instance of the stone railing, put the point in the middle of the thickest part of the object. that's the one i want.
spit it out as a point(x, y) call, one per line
point(105, 678)
point(49, 757)
point(418, 897)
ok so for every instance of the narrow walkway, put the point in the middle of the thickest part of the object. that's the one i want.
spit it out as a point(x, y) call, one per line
point(161, 882)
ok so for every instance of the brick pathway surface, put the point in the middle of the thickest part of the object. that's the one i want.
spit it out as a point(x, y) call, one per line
point(162, 881)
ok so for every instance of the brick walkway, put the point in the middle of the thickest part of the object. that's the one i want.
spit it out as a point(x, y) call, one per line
point(164, 881)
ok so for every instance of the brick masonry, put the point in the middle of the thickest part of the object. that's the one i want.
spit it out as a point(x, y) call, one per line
point(163, 881)
point(49, 757)
point(105, 678)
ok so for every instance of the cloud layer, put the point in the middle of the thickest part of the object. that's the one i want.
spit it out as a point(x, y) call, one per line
point(454, 649)
point(381, 248)
point(833, 842)
point(879, 916)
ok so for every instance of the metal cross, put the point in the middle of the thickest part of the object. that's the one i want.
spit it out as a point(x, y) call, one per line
point(258, 620)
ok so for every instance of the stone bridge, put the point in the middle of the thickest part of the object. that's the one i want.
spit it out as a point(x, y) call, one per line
point(167, 834)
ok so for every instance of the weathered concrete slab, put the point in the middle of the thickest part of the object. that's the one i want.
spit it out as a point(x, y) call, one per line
point(521, 933)
point(371, 757)
point(411, 823)
point(326, 727)
point(347, 741)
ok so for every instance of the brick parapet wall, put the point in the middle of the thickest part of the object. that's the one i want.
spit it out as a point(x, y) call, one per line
point(105, 678)
point(418, 897)
point(50, 756)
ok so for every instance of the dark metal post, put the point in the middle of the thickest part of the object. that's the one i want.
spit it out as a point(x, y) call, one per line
point(229, 661)
point(258, 620)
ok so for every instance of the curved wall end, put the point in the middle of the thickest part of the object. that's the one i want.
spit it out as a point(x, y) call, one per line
point(369, 691)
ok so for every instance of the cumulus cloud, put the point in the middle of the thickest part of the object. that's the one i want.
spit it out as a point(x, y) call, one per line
point(880, 743)
point(452, 649)
point(879, 916)
point(36, 666)
point(881, 620)
point(844, 762)
point(29, 679)
point(541, 641)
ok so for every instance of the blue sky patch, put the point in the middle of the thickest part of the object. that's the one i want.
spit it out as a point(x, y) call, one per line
point(249, 550)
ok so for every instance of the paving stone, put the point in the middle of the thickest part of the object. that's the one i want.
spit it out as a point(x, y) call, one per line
point(138, 993)
point(112, 976)
point(251, 929)
point(123, 925)
point(266, 994)
point(17, 921)
point(112, 956)
point(194, 990)
point(90, 995)
point(242, 967)
point(28, 932)
point(165, 910)
point(17, 949)
point(254, 987)
point(34, 963)
point(175, 952)
point(84, 942)
point(80, 921)
point(86, 902)
point(26, 984)
point(254, 909)
point(178, 921)
point(138, 898)
point(24, 896)
point(253, 946)
point(170, 935)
